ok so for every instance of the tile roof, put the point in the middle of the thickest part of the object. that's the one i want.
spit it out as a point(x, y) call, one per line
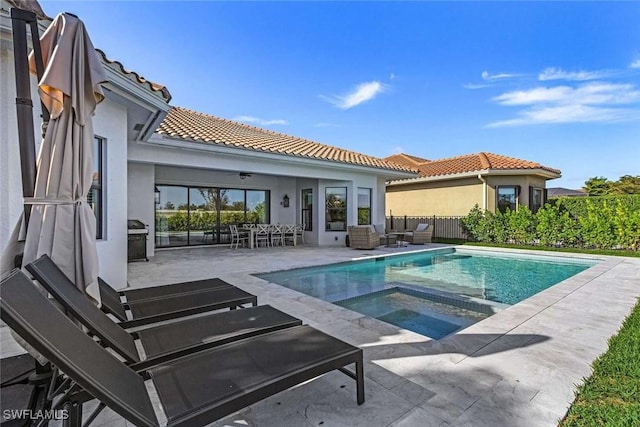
point(199, 127)
point(154, 88)
point(475, 162)
point(406, 159)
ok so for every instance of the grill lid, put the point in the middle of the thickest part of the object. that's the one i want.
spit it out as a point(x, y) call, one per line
point(134, 224)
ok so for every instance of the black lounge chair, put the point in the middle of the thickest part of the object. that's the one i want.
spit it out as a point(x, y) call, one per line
point(194, 390)
point(162, 291)
point(149, 311)
point(166, 342)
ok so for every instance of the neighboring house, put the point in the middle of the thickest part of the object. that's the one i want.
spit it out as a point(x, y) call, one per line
point(453, 186)
point(188, 175)
point(565, 192)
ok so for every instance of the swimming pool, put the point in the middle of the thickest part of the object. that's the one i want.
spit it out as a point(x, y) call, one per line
point(487, 279)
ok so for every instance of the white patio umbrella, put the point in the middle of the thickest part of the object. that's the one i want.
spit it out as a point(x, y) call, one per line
point(62, 224)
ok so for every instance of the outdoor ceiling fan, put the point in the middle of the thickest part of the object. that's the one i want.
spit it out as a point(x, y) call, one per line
point(244, 175)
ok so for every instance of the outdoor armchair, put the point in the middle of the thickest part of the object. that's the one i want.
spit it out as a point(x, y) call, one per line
point(421, 235)
point(363, 237)
point(148, 311)
point(194, 390)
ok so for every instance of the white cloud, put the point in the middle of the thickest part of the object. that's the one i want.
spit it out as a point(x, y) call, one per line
point(489, 77)
point(392, 76)
point(475, 86)
point(398, 150)
point(635, 64)
point(259, 121)
point(361, 93)
point(552, 73)
point(589, 102)
point(575, 113)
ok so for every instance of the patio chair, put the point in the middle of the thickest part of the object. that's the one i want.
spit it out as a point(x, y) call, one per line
point(262, 234)
point(300, 232)
point(277, 235)
point(421, 235)
point(363, 237)
point(148, 311)
point(289, 234)
point(193, 390)
point(238, 237)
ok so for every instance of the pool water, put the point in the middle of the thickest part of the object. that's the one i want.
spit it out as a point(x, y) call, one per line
point(414, 311)
point(498, 278)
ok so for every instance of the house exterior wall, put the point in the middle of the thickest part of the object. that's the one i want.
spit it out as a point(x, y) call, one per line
point(141, 198)
point(110, 123)
point(455, 197)
point(440, 198)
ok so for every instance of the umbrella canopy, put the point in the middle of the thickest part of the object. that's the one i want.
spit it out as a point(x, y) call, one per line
point(62, 223)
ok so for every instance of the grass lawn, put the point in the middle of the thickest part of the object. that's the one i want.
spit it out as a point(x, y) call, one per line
point(635, 254)
point(611, 396)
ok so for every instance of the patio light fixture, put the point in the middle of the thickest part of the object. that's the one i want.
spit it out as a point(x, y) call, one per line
point(156, 195)
point(285, 201)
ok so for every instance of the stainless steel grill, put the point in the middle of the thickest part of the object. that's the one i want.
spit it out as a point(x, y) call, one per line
point(137, 240)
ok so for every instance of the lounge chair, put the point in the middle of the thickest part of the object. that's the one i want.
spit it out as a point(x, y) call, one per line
point(363, 237)
point(149, 311)
point(421, 235)
point(166, 342)
point(193, 390)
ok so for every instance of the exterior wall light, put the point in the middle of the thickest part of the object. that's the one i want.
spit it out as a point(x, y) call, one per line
point(285, 201)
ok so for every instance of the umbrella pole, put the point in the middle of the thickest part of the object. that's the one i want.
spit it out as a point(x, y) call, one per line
point(24, 105)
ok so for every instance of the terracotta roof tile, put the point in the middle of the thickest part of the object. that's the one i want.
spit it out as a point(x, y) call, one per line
point(155, 88)
point(472, 163)
point(406, 160)
point(194, 126)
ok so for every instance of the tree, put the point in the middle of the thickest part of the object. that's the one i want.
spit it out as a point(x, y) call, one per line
point(627, 184)
point(597, 186)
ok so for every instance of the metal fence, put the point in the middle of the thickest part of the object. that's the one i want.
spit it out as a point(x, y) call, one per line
point(445, 227)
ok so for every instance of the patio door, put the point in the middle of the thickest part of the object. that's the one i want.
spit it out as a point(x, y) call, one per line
point(203, 216)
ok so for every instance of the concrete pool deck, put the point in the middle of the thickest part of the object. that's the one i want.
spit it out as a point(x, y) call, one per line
point(519, 367)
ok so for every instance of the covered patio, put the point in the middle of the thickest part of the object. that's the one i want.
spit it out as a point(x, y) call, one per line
point(518, 367)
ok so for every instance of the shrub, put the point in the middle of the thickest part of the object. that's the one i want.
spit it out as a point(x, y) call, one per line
point(610, 222)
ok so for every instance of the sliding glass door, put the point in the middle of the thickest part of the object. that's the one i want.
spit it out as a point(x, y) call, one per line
point(187, 216)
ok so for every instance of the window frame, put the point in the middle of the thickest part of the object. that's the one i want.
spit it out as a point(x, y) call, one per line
point(331, 211)
point(306, 211)
point(365, 209)
point(98, 187)
point(515, 203)
point(532, 191)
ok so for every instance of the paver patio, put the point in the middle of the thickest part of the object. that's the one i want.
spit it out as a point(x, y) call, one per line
point(519, 367)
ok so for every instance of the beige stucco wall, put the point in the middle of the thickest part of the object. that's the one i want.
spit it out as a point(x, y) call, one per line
point(454, 197)
point(445, 198)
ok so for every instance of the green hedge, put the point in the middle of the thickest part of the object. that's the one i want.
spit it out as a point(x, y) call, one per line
point(179, 221)
point(609, 222)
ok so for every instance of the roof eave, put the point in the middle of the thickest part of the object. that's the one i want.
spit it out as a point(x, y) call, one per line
point(471, 174)
point(185, 144)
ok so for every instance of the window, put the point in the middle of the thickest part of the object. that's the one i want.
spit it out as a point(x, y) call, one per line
point(95, 198)
point(307, 209)
point(336, 209)
point(536, 199)
point(364, 206)
point(508, 197)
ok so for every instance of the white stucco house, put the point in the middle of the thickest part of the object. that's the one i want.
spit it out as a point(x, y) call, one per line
point(188, 175)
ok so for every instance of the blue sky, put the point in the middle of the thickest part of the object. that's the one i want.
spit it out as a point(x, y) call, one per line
point(556, 83)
